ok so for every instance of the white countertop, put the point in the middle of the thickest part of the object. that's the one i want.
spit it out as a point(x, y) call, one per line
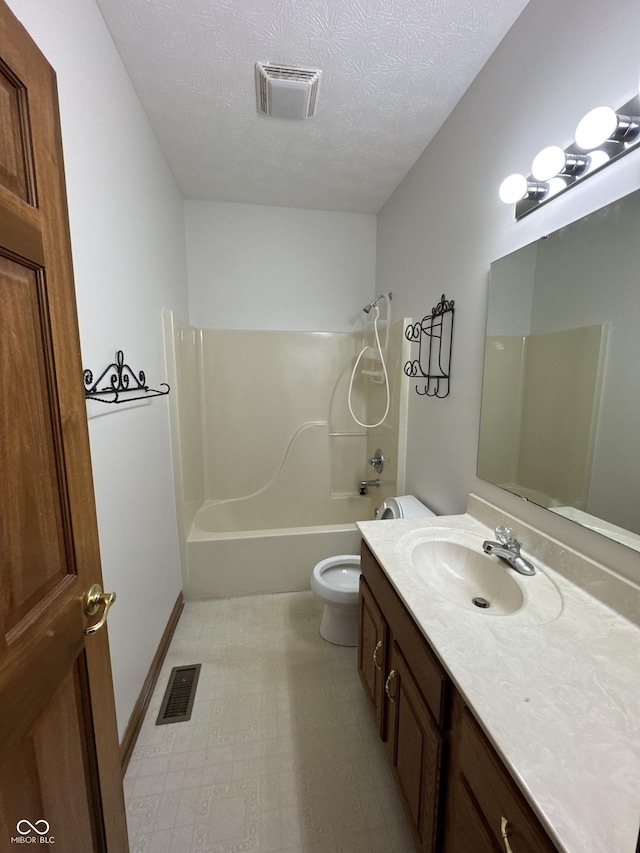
point(560, 701)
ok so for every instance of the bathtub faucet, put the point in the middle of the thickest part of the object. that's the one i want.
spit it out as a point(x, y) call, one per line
point(364, 485)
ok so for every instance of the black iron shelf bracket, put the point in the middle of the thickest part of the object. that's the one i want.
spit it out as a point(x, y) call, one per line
point(122, 385)
point(434, 336)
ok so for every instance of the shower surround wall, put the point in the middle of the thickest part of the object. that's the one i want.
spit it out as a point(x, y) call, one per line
point(541, 399)
point(268, 459)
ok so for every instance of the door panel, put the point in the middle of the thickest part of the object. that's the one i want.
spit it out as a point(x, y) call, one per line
point(33, 503)
point(59, 755)
point(52, 750)
point(16, 162)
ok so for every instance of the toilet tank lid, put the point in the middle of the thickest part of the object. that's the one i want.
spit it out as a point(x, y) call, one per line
point(403, 506)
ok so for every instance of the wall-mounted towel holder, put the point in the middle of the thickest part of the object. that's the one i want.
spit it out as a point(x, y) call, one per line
point(434, 358)
point(122, 384)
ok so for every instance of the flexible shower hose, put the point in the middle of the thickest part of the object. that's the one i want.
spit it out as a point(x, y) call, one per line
point(384, 370)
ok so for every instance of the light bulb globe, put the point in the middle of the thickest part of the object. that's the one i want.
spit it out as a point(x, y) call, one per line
point(598, 158)
point(556, 185)
point(548, 163)
point(596, 127)
point(513, 188)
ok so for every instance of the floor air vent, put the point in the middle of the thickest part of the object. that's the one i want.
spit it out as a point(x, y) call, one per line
point(179, 695)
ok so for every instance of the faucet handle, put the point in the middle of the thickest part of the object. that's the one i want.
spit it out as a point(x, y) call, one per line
point(377, 461)
point(506, 536)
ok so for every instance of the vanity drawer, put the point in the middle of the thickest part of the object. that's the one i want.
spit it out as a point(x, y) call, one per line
point(499, 800)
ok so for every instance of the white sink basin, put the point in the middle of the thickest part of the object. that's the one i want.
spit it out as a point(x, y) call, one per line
point(452, 564)
point(468, 577)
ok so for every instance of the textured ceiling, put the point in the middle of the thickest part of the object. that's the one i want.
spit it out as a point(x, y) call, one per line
point(392, 71)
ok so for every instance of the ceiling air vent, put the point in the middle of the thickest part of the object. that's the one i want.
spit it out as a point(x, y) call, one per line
point(284, 92)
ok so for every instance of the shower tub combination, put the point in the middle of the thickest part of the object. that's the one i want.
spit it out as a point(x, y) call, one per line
point(244, 548)
point(270, 540)
point(267, 483)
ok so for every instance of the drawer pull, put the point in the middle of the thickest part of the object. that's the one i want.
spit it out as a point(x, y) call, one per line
point(504, 823)
point(391, 675)
point(375, 652)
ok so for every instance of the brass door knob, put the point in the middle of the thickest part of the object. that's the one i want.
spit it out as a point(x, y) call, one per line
point(94, 598)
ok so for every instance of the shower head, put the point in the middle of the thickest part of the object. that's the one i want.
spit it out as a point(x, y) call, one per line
point(373, 304)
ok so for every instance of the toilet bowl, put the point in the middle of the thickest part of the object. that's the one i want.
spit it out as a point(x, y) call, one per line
point(336, 580)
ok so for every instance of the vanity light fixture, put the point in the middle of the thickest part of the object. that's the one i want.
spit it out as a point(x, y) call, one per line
point(601, 137)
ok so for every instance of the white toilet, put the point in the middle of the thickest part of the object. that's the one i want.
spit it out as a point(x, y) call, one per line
point(336, 580)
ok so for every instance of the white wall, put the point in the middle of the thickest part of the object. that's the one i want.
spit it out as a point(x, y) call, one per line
point(253, 267)
point(444, 225)
point(126, 218)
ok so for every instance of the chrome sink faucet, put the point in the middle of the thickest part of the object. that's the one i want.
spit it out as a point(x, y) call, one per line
point(364, 485)
point(508, 549)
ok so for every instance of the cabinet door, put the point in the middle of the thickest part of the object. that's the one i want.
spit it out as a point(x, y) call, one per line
point(372, 653)
point(467, 833)
point(414, 748)
point(507, 816)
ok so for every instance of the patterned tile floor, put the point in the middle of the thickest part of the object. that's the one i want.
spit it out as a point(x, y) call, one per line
point(280, 754)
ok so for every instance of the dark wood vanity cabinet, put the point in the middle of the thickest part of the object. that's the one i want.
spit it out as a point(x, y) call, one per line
point(457, 795)
point(409, 701)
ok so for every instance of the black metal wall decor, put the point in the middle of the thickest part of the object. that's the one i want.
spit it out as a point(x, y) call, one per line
point(434, 335)
point(121, 384)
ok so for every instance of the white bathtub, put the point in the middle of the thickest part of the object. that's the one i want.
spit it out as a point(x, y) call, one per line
point(260, 545)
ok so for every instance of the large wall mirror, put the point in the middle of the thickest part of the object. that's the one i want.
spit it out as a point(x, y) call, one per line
point(560, 419)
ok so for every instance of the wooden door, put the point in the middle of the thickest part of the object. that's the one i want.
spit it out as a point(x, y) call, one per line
point(60, 779)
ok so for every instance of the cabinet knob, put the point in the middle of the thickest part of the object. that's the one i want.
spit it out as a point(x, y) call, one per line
point(391, 675)
point(504, 831)
point(375, 652)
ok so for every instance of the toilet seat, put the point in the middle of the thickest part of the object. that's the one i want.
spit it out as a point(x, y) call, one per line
point(337, 579)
